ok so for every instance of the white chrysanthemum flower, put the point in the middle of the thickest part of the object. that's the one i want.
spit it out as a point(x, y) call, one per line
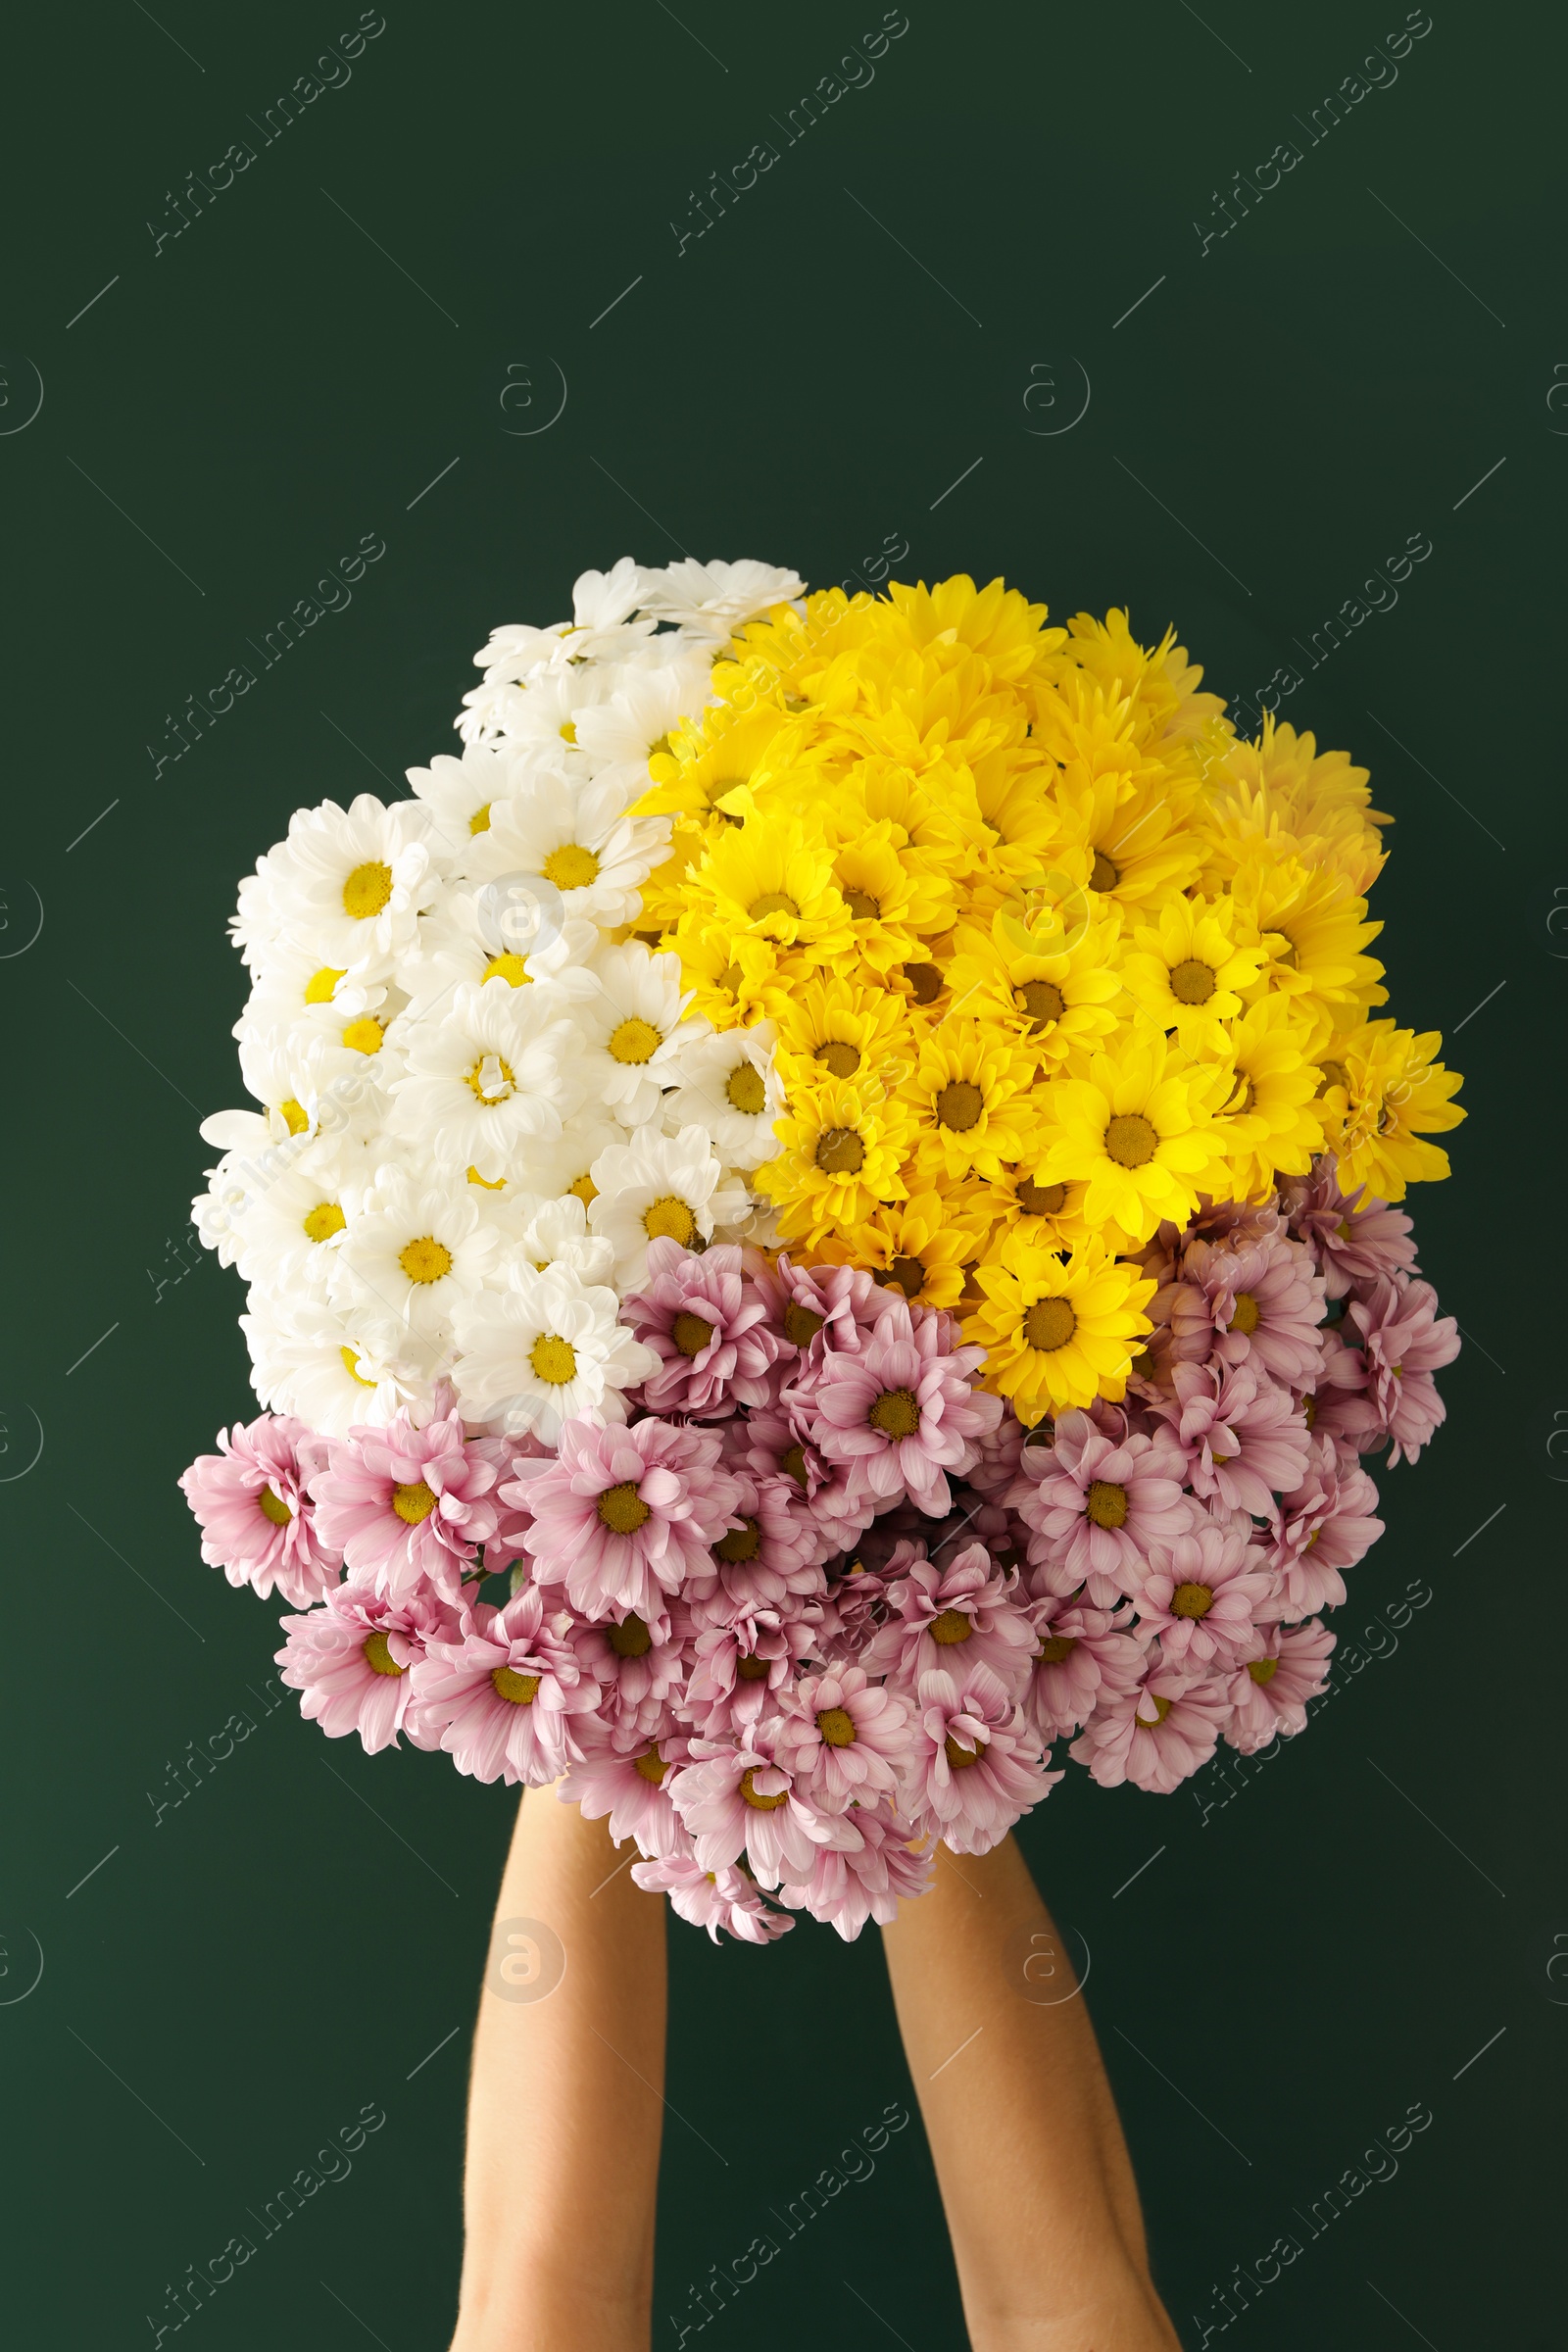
point(714, 599)
point(346, 886)
point(414, 1252)
point(660, 1185)
point(574, 836)
point(285, 1221)
point(500, 1070)
point(338, 1077)
point(550, 1170)
point(635, 1040)
point(556, 1233)
point(547, 1349)
point(295, 991)
point(512, 931)
point(334, 1371)
point(731, 1087)
point(643, 710)
point(459, 792)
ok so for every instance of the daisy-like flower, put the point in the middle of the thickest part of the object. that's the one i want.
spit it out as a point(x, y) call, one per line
point(1272, 1122)
point(252, 1502)
point(709, 1328)
point(1204, 1594)
point(635, 1037)
point(772, 879)
point(969, 1096)
point(896, 902)
point(1244, 1438)
point(712, 1898)
point(628, 1783)
point(556, 1233)
point(647, 702)
point(550, 1170)
point(350, 1661)
point(495, 1072)
point(622, 1517)
point(503, 1698)
point(1078, 1649)
point(640, 1668)
point(415, 1252)
point(842, 1149)
point(1057, 1332)
point(1352, 1240)
point(544, 1351)
point(976, 1766)
point(845, 1030)
point(1056, 989)
point(458, 793)
point(1269, 1693)
point(738, 1800)
point(921, 1246)
point(1157, 1733)
point(1341, 1406)
point(730, 1086)
point(1404, 1341)
point(901, 1411)
point(738, 1670)
point(1256, 1302)
point(575, 836)
point(329, 1368)
point(849, 1886)
point(715, 601)
point(1136, 1130)
point(769, 1556)
point(1095, 1505)
point(847, 1740)
point(406, 1506)
point(951, 1616)
point(1387, 1092)
point(282, 1226)
point(1191, 972)
point(658, 1186)
point(1323, 1526)
point(347, 886)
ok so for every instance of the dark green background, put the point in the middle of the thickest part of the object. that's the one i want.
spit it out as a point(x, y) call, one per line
point(1299, 1965)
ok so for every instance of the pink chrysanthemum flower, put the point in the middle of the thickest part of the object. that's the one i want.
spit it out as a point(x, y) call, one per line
point(709, 1328)
point(901, 1412)
point(953, 1617)
point(501, 1699)
point(977, 1766)
point(401, 1503)
point(621, 1517)
point(738, 1668)
point(1259, 1303)
point(779, 1445)
point(853, 1607)
point(1340, 1405)
point(1078, 1650)
point(629, 1784)
point(1096, 1506)
point(1351, 1245)
point(1204, 1594)
point(253, 1505)
point(1244, 1438)
point(740, 1799)
point(713, 1899)
point(1157, 1735)
point(1269, 1695)
point(640, 1669)
point(826, 1309)
point(768, 1553)
point(997, 1453)
point(1323, 1526)
point(1405, 1341)
point(849, 1885)
point(350, 1661)
point(846, 1740)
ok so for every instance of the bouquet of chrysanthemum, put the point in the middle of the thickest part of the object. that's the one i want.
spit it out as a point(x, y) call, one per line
point(844, 1148)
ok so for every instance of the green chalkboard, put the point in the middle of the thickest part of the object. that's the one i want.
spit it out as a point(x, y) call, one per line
point(1206, 313)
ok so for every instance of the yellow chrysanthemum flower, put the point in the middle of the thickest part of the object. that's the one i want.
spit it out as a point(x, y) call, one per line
point(891, 901)
point(1385, 1089)
point(1315, 929)
point(1137, 850)
point(1161, 685)
point(1272, 1123)
point(843, 1147)
point(709, 760)
point(969, 1096)
point(1192, 973)
point(921, 1246)
point(845, 1030)
point(770, 879)
point(1136, 1129)
point(1055, 988)
point(1057, 1332)
point(1052, 1214)
point(731, 979)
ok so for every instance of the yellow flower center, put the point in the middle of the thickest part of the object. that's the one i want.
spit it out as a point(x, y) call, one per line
point(568, 729)
point(272, 1506)
point(1040, 1199)
point(837, 1726)
point(414, 1503)
point(491, 1184)
point(651, 1766)
point(772, 901)
point(742, 1542)
point(378, 1656)
point(691, 1334)
point(1192, 982)
point(622, 1509)
point(552, 1361)
point(861, 905)
point(950, 1627)
point(1334, 1073)
point(490, 1081)
point(1104, 874)
point(749, 1668)
point(906, 1274)
point(801, 1324)
point(759, 1803)
point(1130, 1140)
point(323, 1221)
point(1043, 1002)
point(521, 1689)
point(1245, 1315)
point(959, 1106)
point(744, 1089)
point(957, 1754)
point(294, 1116)
point(630, 1638)
point(838, 1058)
point(792, 1463)
point(1050, 1324)
point(1107, 1503)
point(583, 1188)
point(367, 890)
point(1055, 1647)
point(351, 1365)
point(425, 1259)
point(1161, 1707)
point(1191, 1600)
point(321, 986)
point(925, 982)
point(635, 1040)
point(1262, 1670)
point(365, 1035)
point(669, 1218)
point(570, 867)
point(894, 1413)
point(840, 1151)
point(512, 969)
point(1309, 1408)
point(479, 821)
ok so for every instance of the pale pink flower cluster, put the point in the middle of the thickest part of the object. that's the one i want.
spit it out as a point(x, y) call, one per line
point(820, 1602)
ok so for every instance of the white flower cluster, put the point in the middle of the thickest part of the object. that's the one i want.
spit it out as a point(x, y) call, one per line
point(482, 1098)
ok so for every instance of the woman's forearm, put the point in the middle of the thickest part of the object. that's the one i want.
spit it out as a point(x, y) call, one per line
point(1041, 2203)
point(566, 2101)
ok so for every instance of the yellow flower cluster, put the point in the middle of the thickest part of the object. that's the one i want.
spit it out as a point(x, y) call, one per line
point(1047, 952)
